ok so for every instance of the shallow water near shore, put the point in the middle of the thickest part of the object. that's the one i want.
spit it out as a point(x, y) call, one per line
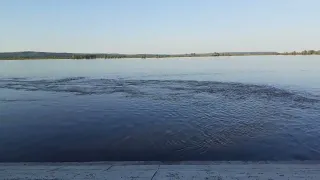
point(229, 108)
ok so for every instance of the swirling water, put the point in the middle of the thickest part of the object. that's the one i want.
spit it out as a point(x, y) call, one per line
point(242, 108)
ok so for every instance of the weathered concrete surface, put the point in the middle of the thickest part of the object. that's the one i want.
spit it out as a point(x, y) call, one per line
point(161, 171)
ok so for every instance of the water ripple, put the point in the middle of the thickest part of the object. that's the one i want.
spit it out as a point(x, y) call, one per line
point(156, 120)
point(169, 88)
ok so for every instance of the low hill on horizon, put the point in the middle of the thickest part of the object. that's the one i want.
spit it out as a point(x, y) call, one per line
point(58, 55)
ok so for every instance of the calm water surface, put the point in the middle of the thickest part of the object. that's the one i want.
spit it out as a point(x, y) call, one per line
point(236, 108)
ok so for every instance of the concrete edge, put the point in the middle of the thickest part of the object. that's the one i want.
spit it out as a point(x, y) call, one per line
point(123, 163)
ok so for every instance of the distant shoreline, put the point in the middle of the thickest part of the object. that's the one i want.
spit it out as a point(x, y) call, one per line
point(31, 55)
point(16, 59)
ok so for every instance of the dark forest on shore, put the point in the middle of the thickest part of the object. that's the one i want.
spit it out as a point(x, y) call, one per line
point(55, 55)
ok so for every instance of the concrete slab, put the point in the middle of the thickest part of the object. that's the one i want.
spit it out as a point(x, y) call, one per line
point(183, 175)
point(134, 167)
point(132, 175)
point(160, 171)
point(185, 167)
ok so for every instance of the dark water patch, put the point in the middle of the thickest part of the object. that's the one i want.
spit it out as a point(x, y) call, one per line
point(83, 119)
point(85, 86)
point(17, 100)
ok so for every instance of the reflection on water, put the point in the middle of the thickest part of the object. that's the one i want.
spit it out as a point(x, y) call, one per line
point(100, 119)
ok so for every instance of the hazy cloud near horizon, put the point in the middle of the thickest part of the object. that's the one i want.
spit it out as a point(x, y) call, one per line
point(150, 26)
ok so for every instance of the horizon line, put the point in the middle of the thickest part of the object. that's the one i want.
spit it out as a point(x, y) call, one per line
point(156, 53)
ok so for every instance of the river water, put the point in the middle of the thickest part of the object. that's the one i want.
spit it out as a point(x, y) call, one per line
point(228, 108)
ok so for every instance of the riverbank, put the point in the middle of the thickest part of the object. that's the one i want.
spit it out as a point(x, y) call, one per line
point(162, 170)
point(149, 58)
point(31, 55)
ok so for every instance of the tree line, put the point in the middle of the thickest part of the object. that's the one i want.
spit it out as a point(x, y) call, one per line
point(305, 52)
point(45, 55)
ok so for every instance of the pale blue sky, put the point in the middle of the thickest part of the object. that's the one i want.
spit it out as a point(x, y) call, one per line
point(159, 26)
